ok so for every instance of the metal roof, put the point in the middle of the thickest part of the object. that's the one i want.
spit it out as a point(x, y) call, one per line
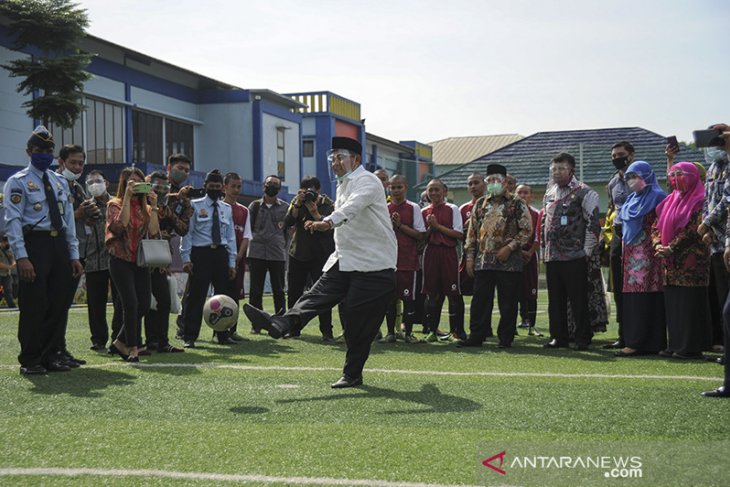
point(460, 150)
point(528, 159)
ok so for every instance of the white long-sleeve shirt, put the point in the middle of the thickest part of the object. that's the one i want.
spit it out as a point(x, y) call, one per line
point(364, 236)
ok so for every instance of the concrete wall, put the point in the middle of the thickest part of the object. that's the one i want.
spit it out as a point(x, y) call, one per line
point(269, 127)
point(228, 135)
point(16, 125)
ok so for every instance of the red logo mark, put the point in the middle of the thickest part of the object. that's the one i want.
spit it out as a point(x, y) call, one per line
point(488, 462)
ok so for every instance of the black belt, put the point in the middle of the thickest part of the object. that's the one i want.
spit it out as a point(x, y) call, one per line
point(211, 246)
point(47, 233)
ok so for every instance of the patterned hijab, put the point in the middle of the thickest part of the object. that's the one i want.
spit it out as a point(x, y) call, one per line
point(677, 209)
point(639, 204)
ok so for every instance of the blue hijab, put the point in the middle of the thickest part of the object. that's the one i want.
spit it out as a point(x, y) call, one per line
point(639, 204)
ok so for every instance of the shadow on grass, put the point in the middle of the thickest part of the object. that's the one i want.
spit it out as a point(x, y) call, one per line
point(80, 382)
point(429, 397)
point(249, 410)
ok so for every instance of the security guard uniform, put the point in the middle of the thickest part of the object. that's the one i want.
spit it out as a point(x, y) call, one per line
point(211, 260)
point(32, 235)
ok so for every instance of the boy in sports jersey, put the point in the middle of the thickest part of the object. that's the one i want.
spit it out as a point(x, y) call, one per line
point(409, 230)
point(444, 229)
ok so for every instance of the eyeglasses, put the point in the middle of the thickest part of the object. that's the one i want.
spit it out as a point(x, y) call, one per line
point(337, 155)
point(94, 181)
point(559, 169)
point(163, 188)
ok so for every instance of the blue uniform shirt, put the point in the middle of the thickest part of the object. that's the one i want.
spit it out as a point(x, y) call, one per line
point(200, 231)
point(25, 204)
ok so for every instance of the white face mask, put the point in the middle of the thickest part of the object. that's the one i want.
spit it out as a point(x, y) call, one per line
point(70, 175)
point(96, 189)
point(636, 184)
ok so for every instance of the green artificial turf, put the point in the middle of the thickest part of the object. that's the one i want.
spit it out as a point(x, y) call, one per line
point(197, 415)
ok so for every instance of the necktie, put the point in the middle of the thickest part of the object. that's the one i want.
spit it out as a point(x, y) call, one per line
point(53, 204)
point(216, 225)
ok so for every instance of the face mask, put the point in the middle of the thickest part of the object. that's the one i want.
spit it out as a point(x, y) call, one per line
point(636, 185)
point(620, 162)
point(96, 189)
point(495, 189)
point(70, 175)
point(271, 190)
point(177, 176)
point(162, 199)
point(715, 154)
point(41, 160)
point(214, 194)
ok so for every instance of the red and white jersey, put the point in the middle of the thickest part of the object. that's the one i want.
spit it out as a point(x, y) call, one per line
point(241, 223)
point(448, 215)
point(466, 210)
point(410, 215)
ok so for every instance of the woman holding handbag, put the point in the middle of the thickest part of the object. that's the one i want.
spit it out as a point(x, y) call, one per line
point(130, 217)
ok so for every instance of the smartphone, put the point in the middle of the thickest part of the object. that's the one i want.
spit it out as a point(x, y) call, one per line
point(142, 188)
point(196, 193)
point(708, 138)
point(673, 143)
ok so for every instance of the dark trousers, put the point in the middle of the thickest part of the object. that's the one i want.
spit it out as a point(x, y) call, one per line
point(257, 273)
point(617, 277)
point(300, 273)
point(97, 291)
point(726, 325)
point(507, 285)
point(157, 321)
point(133, 285)
point(718, 290)
point(566, 281)
point(364, 297)
point(43, 302)
point(59, 335)
point(210, 266)
point(7, 284)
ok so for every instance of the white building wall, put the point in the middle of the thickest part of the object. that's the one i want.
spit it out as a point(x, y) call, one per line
point(15, 125)
point(269, 126)
point(155, 102)
point(225, 139)
point(106, 88)
point(309, 127)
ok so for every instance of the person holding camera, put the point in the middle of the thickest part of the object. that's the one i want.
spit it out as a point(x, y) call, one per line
point(130, 216)
point(308, 251)
point(97, 260)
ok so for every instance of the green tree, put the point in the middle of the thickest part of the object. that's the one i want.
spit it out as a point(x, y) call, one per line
point(57, 74)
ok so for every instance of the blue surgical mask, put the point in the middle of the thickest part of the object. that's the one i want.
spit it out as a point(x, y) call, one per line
point(41, 160)
point(713, 154)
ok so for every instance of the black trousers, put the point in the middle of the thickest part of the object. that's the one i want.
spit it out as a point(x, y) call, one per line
point(157, 321)
point(566, 282)
point(44, 302)
point(300, 274)
point(617, 277)
point(133, 285)
point(364, 297)
point(97, 291)
point(210, 266)
point(507, 285)
point(59, 335)
point(257, 273)
point(726, 326)
point(718, 290)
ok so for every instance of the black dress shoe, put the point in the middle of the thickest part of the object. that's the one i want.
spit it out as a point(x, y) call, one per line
point(635, 353)
point(226, 341)
point(33, 370)
point(346, 381)
point(114, 350)
point(504, 345)
point(70, 358)
point(275, 325)
point(57, 366)
point(721, 391)
point(614, 345)
point(469, 342)
point(189, 344)
point(555, 344)
point(98, 347)
point(580, 347)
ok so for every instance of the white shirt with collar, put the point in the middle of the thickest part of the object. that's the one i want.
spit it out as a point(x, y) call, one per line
point(364, 236)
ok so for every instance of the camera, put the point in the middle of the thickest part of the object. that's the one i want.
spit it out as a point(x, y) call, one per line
point(310, 195)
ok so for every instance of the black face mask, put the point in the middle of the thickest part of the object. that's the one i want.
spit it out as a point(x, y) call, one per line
point(620, 162)
point(271, 190)
point(214, 194)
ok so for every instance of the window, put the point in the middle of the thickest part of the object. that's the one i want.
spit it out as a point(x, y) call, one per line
point(308, 148)
point(280, 153)
point(62, 136)
point(146, 138)
point(104, 132)
point(178, 138)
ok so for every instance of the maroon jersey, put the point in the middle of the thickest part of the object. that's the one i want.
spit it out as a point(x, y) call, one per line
point(447, 215)
point(533, 237)
point(410, 215)
point(240, 217)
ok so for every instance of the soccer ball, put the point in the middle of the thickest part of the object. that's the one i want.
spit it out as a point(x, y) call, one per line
point(220, 312)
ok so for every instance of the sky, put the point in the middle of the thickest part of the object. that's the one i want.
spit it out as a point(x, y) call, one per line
point(427, 70)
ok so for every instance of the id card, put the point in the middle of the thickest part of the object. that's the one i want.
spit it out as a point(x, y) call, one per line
point(564, 220)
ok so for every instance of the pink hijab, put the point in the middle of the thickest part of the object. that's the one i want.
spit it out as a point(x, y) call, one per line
point(677, 209)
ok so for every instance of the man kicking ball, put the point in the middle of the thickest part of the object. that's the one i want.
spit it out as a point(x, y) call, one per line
point(360, 273)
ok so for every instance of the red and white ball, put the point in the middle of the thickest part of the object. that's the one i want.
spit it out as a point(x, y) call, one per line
point(220, 312)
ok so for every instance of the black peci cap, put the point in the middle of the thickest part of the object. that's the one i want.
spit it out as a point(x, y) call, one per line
point(496, 169)
point(347, 143)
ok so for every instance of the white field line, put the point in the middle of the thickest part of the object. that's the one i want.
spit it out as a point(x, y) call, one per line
point(274, 368)
point(217, 477)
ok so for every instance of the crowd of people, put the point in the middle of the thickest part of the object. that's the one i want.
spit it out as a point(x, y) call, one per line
point(372, 253)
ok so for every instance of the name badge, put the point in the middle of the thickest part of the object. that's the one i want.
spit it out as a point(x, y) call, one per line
point(564, 220)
